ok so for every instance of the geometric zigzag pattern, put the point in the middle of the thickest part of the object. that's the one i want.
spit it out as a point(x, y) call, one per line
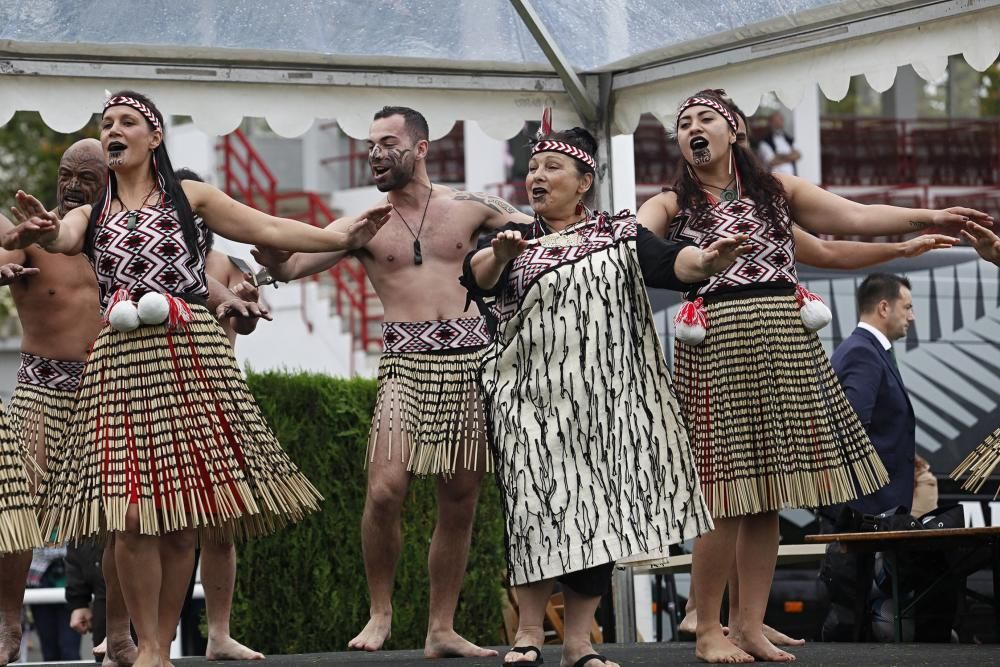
point(435, 335)
point(49, 373)
point(153, 257)
point(771, 259)
point(538, 259)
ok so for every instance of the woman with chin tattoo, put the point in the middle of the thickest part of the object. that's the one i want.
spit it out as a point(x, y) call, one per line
point(166, 438)
point(767, 417)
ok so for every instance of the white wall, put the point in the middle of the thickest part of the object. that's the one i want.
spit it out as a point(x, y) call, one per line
point(190, 147)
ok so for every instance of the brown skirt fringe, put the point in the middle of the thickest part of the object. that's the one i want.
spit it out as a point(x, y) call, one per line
point(429, 409)
point(165, 421)
point(980, 464)
point(18, 524)
point(768, 419)
point(39, 416)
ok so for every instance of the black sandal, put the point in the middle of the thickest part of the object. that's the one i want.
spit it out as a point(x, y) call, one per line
point(587, 658)
point(524, 650)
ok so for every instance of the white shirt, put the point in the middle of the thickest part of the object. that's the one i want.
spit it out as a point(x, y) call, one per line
point(881, 337)
point(781, 147)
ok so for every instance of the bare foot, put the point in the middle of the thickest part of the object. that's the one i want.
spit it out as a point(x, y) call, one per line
point(227, 648)
point(10, 645)
point(374, 634)
point(712, 646)
point(689, 623)
point(148, 659)
point(779, 638)
point(119, 653)
point(449, 644)
point(101, 649)
point(760, 648)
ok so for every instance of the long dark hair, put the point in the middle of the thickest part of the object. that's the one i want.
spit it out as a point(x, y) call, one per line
point(756, 181)
point(585, 141)
point(162, 171)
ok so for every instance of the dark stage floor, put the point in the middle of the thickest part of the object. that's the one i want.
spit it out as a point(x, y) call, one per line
point(847, 655)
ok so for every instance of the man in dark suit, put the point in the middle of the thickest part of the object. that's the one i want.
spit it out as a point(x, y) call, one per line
point(866, 365)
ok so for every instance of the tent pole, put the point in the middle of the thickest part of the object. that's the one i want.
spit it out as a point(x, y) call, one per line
point(576, 89)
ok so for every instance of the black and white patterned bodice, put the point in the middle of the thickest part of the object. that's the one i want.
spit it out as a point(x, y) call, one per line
point(152, 257)
point(772, 259)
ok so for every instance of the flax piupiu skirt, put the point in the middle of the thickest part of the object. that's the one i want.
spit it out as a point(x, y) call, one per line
point(768, 420)
point(164, 421)
point(18, 524)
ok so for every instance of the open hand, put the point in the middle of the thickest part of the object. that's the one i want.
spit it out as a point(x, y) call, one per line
point(508, 245)
point(957, 216)
point(364, 230)
point(986, 242)
point(34, 222)
point(12, 272)
point(919, 245)
point(722, 253)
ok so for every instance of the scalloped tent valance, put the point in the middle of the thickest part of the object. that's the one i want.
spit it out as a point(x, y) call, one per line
point(220, 61)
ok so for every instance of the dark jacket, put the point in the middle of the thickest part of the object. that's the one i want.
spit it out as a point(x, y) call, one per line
point(875, 389)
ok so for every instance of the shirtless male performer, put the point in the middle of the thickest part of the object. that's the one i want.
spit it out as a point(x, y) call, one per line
point(428, 418)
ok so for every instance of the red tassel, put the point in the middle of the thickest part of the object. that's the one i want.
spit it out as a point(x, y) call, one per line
point(546, 127)
point(180, 313)
point(579, 208)
point(121, 294)
point(692, 313)
point(802, 295)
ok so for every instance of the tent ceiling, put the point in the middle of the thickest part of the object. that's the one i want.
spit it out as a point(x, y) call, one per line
point(293, 62)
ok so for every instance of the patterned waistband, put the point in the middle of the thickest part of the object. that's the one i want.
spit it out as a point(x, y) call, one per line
point(49, 373)
point(435, 335)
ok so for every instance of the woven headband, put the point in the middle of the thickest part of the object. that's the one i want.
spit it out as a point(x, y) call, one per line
point(715, 105)
point(137, 105)
point(549, 145)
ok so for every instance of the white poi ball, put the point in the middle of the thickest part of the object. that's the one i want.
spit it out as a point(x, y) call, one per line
point(815, 315)
point(124, 316)
point(689, 334)
point(153, 308)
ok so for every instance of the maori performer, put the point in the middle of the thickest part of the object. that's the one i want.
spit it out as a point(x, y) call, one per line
point(768, 420)
point(824, 254)
point(592, 459)
point(165, 437)
point(984, 459)
point(428, 416)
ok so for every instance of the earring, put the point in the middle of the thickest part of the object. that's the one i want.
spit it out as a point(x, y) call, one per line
point(579, 207)
point(732, 159)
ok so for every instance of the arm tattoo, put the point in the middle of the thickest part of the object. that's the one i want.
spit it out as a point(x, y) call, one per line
point(495, 204)
point(917, 224)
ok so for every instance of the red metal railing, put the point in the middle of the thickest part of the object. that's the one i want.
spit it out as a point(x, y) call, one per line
point(247, 177)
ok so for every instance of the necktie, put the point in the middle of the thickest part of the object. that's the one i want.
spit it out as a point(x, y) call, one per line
point(892, 356)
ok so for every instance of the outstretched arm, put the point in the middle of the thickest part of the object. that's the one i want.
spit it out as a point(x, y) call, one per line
point(498, 212)
point(239, 222)
point(286, 266)
point(823, 212)
point(857, 254)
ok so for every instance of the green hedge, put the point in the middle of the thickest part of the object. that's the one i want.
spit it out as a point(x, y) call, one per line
point(303, 589)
